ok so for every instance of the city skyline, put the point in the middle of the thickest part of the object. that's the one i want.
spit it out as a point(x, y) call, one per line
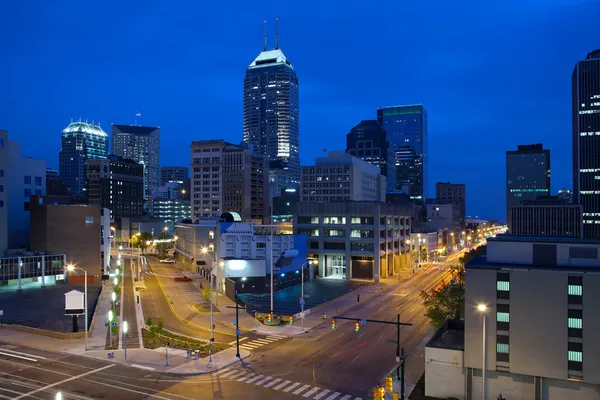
point(196, 91)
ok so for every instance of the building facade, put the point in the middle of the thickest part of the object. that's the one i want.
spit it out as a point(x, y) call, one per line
point(453, 193)
point(407, 129)
point(142, 145)
point(342, 177)
point(357, 239)
point(370, 142)
point(20, 178)
point(80, 142)
point(586, 141)
point(228, 177)
point(541, 297)
point(546, 216)
point(271, 116)
point(171, 211)
point(117, 184)
point(54, 186)
point(174, 174)
point(527, 174)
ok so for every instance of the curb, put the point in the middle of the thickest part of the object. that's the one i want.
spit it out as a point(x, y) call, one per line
point(198, 373)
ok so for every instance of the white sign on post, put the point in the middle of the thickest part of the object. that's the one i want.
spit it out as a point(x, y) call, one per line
point(74, 303)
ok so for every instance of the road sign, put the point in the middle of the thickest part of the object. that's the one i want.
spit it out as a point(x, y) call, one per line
point(114, 323)
point(237, 332)
point(106, 324)
point(363, 321)
point(452, 282)
point(302, 301)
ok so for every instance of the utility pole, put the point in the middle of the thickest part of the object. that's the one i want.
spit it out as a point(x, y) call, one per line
point(237, 324)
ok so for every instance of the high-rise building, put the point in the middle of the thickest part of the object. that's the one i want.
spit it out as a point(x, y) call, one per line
point(142, 145)
point(228, 177)
point(407, 129)
point(527, 174)
point(546, 216)
point(586, 141)
point(271, 116)
point(370, 142)
point(80, 142)
point(116, 183)
point(341, 177)
point(453, 193)
point(20, 178)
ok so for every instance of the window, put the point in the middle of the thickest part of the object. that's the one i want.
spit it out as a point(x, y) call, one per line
point(27, 179)
point(575, 290)
point(89, 220)
point(38, 180)
point(335, 232)
point(211, 234)
point(502, 286)
point(502, 317)
point(575, 323)
point(334, 220)
point(261, 245)
point(27, 192)
point(576, 356)
point(308, 220)
point(361, 233)
point(501, 348)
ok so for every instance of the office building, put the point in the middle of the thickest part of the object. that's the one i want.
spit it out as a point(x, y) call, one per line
point(174, 174)
point(284, 205)
point(142, 145)
point(80, 142)
point(546, 216)
point(80, 231)
point(370, 142)
point(228, 177)
point(342, 177)
point(453, 193)
point(116, 183)
point(169, 206)
point(242, 251)
point(527, 174)
point(20, 177)
point(271, 116)
point(344, 237)
point(586, 141)
point(443, 216)
point(407, 130)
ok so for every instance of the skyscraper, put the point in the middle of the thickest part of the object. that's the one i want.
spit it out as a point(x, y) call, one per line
point(586, 141)
point(271, 116)
point(142, 145)
point(407, 130)
point(453, 193)
point(370, 142)
point(527, 174)
point(80, 142)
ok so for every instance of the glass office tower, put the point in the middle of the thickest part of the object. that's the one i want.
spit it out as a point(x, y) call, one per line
point(407, 129)
point(271, 117)
point(80, 142)
point(586, 141)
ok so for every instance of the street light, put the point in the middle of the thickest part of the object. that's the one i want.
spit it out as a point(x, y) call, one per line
point(483, 309)
point(59, 396)
point(110, 318)
point(113, 296)
point(125, 327)
point(116, 281)
point(72, 268)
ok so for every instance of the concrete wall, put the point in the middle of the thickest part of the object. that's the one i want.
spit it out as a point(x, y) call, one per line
point(511, 252)
point(591, 328)
point(444, 373)
point(510, 386)
point(553, 389)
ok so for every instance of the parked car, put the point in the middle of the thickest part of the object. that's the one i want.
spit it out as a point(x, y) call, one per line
point(182, 279)
point(168, 261)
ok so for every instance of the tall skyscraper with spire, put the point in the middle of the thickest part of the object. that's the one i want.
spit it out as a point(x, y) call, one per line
point(271, 112)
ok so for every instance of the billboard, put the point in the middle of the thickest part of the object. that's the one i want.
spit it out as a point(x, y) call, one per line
point(245, 268)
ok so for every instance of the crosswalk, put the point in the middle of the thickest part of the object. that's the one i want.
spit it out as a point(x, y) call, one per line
point(256, 343)
point(279, 384)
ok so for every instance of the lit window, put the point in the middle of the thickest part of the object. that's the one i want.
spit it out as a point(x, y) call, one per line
point(502, 317)
point(89, 220)
point(575, 290)
point(211, 234)
point(576, 356)
point(575, 323)
point(501, 348)
point(503, 286)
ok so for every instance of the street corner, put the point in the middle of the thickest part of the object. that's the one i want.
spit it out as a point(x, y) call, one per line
point(204, 366)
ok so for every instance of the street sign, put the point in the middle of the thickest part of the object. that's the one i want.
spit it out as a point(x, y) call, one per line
point(302, 301)
point(106, 324)
point(363, 321)
point(452, 282)
point(392, 341)
point(397, 359)
point(237, 332)
point(1, 313)
point(302, 314)
point(114, 323)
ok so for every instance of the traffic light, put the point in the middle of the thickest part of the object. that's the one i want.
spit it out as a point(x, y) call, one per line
point(395, 396)
point(376, 394)
point(269, 317)
point(382, 392)
point(291, 320)
point(388, 384)
point(356, 326)
point(333, 324)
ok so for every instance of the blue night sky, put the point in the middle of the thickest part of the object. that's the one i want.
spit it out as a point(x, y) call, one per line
point(491, 76)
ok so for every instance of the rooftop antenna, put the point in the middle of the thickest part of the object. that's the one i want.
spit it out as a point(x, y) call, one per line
point(276, 33)
point(265, 38)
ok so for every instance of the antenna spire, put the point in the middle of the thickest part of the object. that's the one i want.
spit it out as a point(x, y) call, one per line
point(265, 38)
point(276, 33)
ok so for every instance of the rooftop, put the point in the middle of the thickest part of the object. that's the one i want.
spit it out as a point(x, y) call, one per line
point(135, 129)
point(482, 263)
point(541, 239)
point(450, 336)
point(84, 127)
point(269, 58)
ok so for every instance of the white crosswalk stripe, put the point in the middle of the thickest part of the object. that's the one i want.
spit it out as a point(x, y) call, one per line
point(313, 391)
point(268, 378)
point(256, 343)
point(228, 373)
point(324, 392)
point(346, 397)
point(302, 389)
point(243, 378)
point(274, 381)
point(287, 389)
point(236, 375)
point(281, 385)
point(336, 394)
point(221, 372)
point(255, 378)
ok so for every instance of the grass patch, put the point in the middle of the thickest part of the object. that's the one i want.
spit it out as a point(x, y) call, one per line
point(154, 340)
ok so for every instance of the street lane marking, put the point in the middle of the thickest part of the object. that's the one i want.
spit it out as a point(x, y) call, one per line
point(264, 341)
point(237, 374)
point(281, 385)
point(311, 392)
point(346, 397)
point(302, 389)
point(255, 378)
point(222, 371)
point(241, 340)
point(323, 393)
point(333, 396)
point(272, 382)
point(358, 398)
point(23, 354)
point(16, 356)
point(291, 387)
point(64, 381)
point(228, 373)
point(143, 366)
point(264, 380)
point(248, 347)
point(243, 378)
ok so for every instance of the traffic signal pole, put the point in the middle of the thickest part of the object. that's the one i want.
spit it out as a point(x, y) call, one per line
point(237, 324)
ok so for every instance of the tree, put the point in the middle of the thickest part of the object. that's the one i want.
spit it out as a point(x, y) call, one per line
point(447, 302)
point(163, 247)
point(142, 240)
